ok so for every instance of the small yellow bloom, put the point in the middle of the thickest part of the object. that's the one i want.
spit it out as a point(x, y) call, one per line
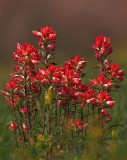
point(114, 133)
point(48, 96)
point(40, 137)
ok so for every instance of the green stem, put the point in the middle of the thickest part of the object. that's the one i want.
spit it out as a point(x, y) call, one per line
point(82, 116)
point(87, 119)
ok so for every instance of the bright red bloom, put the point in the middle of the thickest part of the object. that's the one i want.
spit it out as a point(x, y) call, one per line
point(14, 89)
point(26, 54)
point(114, 72)
point(48, 33)
point(24, 126)
point(102, 46)
point(50, 75)
point(89, 96)
point(101, 82)
point(104, 98)
point(78, 123)
point(92, 101)
point(24, 110)
point(11, 85)
point(47, 37)
point(13, 126)
point(77, 63)
point(71, 77)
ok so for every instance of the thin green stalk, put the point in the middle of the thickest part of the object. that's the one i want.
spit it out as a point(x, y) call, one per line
point(87, 117)
point(82, 114)
point(56, 113)
point(27, 101)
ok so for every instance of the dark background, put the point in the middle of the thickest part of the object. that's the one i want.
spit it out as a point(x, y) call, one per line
point(76, 22)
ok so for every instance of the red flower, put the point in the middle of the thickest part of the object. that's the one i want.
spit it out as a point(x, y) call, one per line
point(78, 123)
point(89, 96)
point(102, 46)
point(24, 110)
point(76, 62)
point(48, 33)
point(46, 36)
point(92, 101)
point(114, 71)
point(24, 126)
point(11, 85)
point(13, 126)
point(26, 54)
point(105, 99)
point(101, 81)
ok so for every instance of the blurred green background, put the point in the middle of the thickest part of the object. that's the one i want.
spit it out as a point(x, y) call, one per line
point(76, 22)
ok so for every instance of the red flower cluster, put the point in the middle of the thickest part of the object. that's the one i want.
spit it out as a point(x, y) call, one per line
point(105, 99)
point(46, 36)
point(66, 81)
point(107, 115)
point(102, 99)
point(102, 47)
point(101, 82)
point(24, 110)
point(30, 87)
point(26, 54)
point(78, 124)
point(114, 71)
point(12, 93)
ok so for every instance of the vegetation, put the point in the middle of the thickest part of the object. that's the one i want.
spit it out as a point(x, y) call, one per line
point(57, 112)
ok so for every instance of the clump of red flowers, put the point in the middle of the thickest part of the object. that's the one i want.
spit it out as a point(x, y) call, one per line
point(52, 96)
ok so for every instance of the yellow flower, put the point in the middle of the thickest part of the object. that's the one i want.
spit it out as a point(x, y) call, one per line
point(114, 133)
point(40, 137)
point(48, 96)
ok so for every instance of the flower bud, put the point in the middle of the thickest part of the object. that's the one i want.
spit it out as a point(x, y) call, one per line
point(13, 126)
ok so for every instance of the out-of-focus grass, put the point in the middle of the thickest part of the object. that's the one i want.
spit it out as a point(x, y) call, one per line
point(6, 115)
